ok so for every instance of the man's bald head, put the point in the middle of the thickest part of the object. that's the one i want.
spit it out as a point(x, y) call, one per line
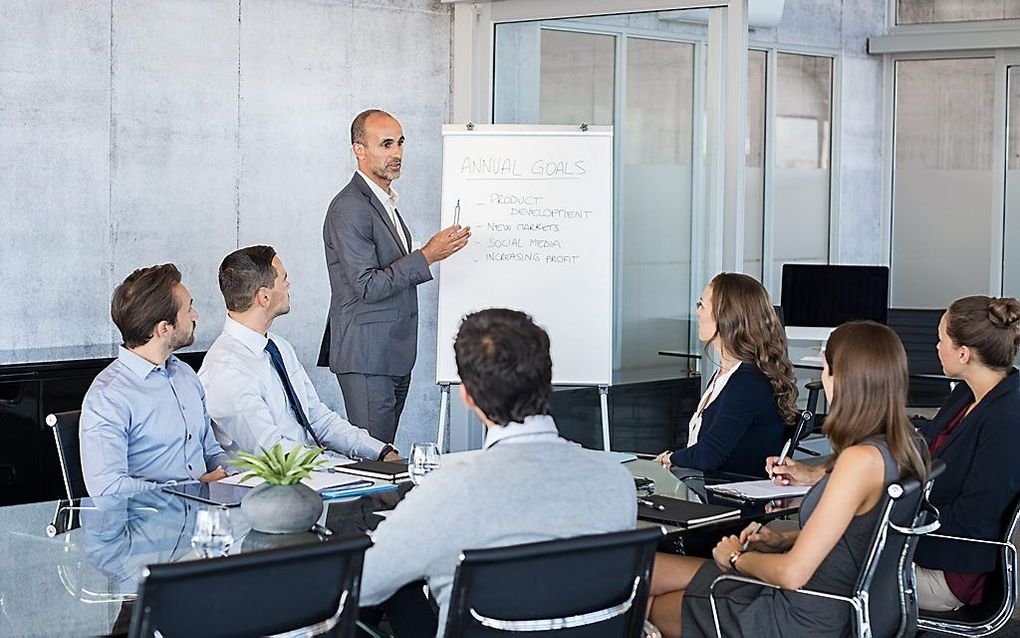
point(360, 122)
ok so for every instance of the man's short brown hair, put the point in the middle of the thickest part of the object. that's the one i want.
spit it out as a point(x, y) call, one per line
point(143, 300)
point(243, 272)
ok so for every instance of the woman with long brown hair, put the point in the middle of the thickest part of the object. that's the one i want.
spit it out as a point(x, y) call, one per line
point(752, 398)
point(976, 434)
point(865, 379)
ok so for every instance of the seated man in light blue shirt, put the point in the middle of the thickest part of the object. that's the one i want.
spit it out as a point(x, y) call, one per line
point(258, 392)
point(143, 421)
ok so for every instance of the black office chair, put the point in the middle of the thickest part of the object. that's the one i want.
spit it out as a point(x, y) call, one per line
point(807, 420)
point(582, 586)
point(999, 601)
point(65, 433)
point(302, 590)
point(888, 572)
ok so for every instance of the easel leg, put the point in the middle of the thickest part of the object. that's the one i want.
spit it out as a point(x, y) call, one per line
point(444, 411)
point(604, 400)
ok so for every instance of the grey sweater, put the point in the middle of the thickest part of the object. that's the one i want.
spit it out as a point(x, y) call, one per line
point(512, 493)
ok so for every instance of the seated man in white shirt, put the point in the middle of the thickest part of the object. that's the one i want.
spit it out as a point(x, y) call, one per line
point(528, 485)
point(257, 391)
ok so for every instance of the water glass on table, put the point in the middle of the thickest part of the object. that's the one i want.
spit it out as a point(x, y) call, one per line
point(212, 535)
point(424, 459)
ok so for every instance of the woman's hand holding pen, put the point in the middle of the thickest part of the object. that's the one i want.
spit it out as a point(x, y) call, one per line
point(791, 472)
point(759, 538)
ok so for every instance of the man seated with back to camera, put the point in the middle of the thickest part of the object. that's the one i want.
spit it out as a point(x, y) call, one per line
point(143, 420)
point(528, 485)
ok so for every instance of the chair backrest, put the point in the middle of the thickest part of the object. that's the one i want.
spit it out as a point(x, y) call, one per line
point(1000, 586)
point(65, 433)
point(312, 589)
point(582, 586)
point(886, 583)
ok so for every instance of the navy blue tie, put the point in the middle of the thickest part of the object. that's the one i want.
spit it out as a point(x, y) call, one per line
point(295, 404)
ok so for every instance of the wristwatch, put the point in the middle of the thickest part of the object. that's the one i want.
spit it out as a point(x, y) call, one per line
point(733, 559)
point(386, 449)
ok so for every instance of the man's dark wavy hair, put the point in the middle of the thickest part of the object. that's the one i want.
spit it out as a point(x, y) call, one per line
point(504, 363)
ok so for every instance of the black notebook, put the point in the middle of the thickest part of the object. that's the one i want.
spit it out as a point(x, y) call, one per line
point(387, 470)
point(673, 511)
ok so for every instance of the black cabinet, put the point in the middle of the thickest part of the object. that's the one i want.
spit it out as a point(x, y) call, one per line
point(29, 467)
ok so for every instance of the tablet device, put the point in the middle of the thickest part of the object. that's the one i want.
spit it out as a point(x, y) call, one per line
point(214, 493)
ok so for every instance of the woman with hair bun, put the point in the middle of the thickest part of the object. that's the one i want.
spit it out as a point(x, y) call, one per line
point(976, 433)
point(752, 398)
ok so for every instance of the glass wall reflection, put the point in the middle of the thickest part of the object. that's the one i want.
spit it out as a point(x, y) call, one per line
point(942, 173)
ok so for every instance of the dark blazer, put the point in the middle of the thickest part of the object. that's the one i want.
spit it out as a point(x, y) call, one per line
point(739, 429)
point(373, 308)
point(982, 477)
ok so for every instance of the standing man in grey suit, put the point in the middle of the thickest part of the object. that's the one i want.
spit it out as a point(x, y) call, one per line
point(372, 334)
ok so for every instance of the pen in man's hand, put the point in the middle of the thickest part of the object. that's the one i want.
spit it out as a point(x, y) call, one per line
point(655, 506)
point(747, 542)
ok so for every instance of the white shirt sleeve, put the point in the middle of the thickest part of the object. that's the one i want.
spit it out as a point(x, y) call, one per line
point(240, 416)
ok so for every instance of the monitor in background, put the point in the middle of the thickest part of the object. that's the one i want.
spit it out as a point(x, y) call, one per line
point(818, 298)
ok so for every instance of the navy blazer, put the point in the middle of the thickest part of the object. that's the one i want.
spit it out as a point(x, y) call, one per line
point(739, 429)
point(982, 477)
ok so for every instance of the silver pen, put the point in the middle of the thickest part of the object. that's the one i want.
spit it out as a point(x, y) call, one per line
point(456, 213)
point(655, 506)
point(747, 542)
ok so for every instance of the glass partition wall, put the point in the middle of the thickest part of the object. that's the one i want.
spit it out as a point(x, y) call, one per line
point(594, 70)
point(651, 107)
point(943, 209)
point(1011, 230)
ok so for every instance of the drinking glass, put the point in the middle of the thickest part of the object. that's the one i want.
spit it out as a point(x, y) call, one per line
point(424, 459)
point(212, 535)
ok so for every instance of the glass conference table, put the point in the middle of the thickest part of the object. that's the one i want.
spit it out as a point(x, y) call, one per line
point(70, 572)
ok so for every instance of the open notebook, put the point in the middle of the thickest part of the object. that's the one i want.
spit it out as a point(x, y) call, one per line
point(763, 490)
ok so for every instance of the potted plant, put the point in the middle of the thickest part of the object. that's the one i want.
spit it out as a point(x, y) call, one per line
point(282, 504)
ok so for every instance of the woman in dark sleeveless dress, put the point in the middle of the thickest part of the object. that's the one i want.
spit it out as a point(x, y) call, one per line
point(865, 379)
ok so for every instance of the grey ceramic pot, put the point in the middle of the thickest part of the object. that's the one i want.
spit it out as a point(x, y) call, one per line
point(281, 509)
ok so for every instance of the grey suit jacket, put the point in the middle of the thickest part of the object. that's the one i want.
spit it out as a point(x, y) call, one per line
point(373, 309)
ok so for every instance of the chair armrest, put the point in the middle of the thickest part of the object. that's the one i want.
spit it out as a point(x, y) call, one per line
point(853, 602)
point(973, 540)
point(920, 530)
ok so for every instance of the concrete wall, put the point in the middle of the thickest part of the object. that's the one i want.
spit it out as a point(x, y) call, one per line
point(136, 132)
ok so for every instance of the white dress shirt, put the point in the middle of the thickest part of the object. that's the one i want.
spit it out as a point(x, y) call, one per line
point(389, 202)
point(249, 406)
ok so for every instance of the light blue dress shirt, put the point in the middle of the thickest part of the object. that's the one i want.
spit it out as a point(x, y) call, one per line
point(144, 425)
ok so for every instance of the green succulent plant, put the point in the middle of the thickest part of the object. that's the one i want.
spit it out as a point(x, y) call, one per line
point(277, 467)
